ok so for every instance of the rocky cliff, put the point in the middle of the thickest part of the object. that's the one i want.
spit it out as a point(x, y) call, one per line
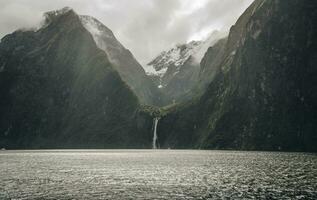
point(263, 96)
point(176, 71)
point(123, 61)
point(58, 89)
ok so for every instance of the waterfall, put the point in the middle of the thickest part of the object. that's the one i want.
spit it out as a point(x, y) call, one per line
point(156, 119)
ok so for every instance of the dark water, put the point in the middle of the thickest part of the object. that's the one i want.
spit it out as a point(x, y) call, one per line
point(157, 174)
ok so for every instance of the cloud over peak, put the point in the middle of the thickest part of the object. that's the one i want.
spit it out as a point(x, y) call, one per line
point(146, 27)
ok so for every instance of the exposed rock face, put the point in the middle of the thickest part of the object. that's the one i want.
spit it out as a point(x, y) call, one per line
point(210, 64)
point(123, 61)
point(264, 95)
point(176, 71)
point(58, 89)
point(66, 85)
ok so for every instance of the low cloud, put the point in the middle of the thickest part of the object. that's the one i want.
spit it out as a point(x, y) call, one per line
point(146, 27)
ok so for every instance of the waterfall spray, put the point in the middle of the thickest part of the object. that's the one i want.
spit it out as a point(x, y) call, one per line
point(156, 119)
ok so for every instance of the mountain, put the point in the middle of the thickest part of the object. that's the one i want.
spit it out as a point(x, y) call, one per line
point(264, 94)
point(123, 60)
point(59, 90)
point(66, 85)
point(176, 71)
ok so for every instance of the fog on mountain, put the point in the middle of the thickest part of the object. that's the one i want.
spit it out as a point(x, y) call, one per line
point(72, 84)
point(215, 114)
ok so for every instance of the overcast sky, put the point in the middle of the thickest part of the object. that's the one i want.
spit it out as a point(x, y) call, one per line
point(146, 27)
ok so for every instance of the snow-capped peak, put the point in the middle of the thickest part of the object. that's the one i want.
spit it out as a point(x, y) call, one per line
point(178, 55)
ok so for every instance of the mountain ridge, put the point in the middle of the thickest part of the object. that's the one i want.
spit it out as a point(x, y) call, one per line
point(263, 95)
point(62, 87)
point(176, 71)
point(123, 60)
point(59, 90)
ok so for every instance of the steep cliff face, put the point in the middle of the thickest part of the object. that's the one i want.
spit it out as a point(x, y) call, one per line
point(210, 64)
point(58, 89)
point(176, 71)
point(264, 94)
point(123, 61)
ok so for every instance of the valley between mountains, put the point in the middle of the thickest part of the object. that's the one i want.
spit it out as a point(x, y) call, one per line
point(71, 84)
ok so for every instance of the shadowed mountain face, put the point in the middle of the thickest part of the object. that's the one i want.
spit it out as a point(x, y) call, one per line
point(123, 61)
point(264, 94)
point(72, 84)
point(176, 72)
point(58, 89)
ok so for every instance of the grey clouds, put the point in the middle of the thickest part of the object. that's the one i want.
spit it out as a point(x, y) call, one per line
point(146, 27)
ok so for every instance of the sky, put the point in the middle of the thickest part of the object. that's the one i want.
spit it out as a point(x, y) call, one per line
point(145, 27)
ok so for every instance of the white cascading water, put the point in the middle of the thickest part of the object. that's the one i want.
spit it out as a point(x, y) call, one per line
point(156, 119)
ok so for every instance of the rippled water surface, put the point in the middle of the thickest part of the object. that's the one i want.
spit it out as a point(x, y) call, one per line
point(157, 174)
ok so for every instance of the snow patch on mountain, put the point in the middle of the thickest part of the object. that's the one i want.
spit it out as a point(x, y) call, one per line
point(177, 56)
point(151, 71)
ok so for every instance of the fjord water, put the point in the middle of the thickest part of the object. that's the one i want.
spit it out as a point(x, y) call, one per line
point(157, 174)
